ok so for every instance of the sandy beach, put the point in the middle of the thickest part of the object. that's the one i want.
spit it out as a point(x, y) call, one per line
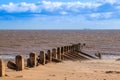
point(69, 70)
point(23, 42)
point(59, 39)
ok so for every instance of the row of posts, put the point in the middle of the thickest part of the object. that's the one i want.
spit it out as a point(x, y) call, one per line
point(43, 58)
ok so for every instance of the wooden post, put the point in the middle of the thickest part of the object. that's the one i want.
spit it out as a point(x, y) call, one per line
point(2, 68)
point(68, 48)
point(76, 49)
point(59, 53)
point(62, 53)
point(42, 57)
point(32, 62)
point(83, 45)
point(72, 48)
point(54, 53)
point(29, 63)
point(11, 65)
point(19, 63)
point(79, 44)
point(49, 55)
point(64, 50)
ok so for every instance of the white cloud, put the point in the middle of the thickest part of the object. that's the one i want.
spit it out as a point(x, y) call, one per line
point(21, 7)
point(101, 15)
point(50, 6)
point(101, 8)
point(63, 13)
point(81, 5)
point(108, 1)
point(47, 5)
point(27, 6)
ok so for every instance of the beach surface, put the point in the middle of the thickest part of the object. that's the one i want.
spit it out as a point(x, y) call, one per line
point(69, 70)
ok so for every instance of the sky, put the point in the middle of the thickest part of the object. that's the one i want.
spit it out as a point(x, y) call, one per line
point(59, 14)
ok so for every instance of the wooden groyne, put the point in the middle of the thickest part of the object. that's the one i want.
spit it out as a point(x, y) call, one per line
point(68, 52)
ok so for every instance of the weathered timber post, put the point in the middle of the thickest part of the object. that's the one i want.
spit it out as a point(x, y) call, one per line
point(28, 63)
point(98, 54)
point(32, 62)
point(66, 49)
point(83, 45)
point(11, 65)
point(19, 63)
point(2, 68)
point(72, 48)
point(42, 57)
point(76, 48)
point(59, 53)
point(54, 53)
point(79, 44)
point(62, 53)
point(49, 55)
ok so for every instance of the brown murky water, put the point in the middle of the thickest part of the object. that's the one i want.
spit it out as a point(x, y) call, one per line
point(25, 41)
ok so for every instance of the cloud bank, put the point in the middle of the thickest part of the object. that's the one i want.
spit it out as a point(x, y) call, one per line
point(101, 9)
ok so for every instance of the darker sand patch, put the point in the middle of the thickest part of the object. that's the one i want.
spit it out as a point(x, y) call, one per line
point(112, 72)
point(20, 76)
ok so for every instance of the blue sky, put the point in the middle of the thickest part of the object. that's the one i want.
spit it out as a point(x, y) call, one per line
point(59, 14)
